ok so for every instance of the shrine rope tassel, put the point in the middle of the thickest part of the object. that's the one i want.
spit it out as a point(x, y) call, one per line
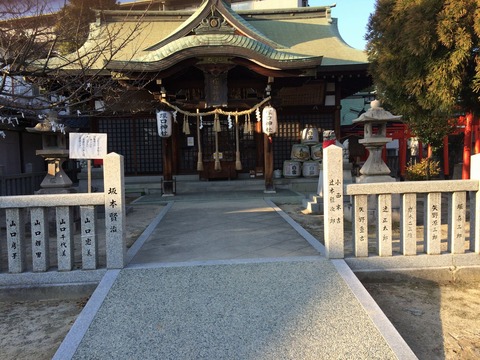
point(238, 163)
point(186, 125)
point(199, 141)
point(217, 129)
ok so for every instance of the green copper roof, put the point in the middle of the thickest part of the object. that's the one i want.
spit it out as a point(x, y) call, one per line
point(220, 44)
point(156, 40)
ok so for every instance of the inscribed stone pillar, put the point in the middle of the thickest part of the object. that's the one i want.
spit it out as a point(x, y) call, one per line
point(15, 221)
point(384, 225)
point(360, 225)
point(115, 227)
point(64, 219)
point(456, 222)
point(333, 201)
point(408, 224)
point(40, 239)
point(433, 224)
point(88, 229)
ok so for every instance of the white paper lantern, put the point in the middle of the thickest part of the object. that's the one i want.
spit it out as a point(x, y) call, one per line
point(269, 120)
point(164, 123)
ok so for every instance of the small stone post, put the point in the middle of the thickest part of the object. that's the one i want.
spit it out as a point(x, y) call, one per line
point(15, 219)
point(475, 206)
point(384, 225)
point(408, 224)
point(40, 239)
point(456, 224)
point(88, 230)
point(115, 226)
point(360, 225)
point(65, 247)
point(432, 223)
point(333, 201)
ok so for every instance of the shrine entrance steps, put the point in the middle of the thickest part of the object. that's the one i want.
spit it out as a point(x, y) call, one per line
point(145, 185)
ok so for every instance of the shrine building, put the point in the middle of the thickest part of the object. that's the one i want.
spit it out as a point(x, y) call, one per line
point(214, 66)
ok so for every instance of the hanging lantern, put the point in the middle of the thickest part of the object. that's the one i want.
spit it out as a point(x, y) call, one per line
point(164, 123)
point(269, 120)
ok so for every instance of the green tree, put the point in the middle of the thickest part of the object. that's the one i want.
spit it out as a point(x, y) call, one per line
point(74, 20)
point(425, 62)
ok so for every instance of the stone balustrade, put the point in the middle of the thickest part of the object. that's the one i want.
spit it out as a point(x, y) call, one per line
point(37, 208)
point(409, 192)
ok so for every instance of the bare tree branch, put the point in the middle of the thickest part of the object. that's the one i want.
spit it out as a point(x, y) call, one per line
point(37, 76)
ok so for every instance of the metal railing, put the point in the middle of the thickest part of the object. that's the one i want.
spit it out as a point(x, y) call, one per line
point(27, 183)
point(21, 184)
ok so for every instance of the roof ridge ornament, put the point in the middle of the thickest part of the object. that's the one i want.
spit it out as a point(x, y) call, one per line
point(235, 21)
point(214, 23)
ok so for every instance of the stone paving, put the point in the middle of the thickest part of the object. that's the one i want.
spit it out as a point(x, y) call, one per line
point(230, 278)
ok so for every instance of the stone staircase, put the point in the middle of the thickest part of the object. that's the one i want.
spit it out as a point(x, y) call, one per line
point(142, 185)
point(313, 204)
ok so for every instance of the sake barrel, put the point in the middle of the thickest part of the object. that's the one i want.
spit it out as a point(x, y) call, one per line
point(310, 168)
point(317, 152)
point(300, 152)
point(292, 168)
point(310, 136)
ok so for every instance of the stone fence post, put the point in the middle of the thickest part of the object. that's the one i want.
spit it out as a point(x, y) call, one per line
point(115, 215)
point(475, 206)
point(333, 201)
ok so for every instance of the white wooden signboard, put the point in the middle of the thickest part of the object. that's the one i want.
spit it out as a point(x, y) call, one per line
point(87, 145)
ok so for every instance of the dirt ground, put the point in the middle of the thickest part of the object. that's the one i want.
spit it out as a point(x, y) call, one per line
point(438, 321)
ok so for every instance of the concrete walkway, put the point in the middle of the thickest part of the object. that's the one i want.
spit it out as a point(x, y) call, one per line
point(230, 279)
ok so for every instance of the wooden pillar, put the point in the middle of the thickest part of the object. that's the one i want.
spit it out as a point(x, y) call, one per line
point(384, 154)
point(420, 151)
point(167, 187)
point(174, 146)
point(338, 109)
point(259, 141)
point(268, 171)
point(467, 146)
point(446, 163)
point(402, 154)
point(477, 135)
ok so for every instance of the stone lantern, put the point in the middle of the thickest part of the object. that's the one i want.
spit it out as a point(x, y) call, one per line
point(55, 152)
point(375, 138)
point(375, 170)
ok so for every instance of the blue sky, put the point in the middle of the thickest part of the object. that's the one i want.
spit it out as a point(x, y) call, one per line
point(352, 18)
